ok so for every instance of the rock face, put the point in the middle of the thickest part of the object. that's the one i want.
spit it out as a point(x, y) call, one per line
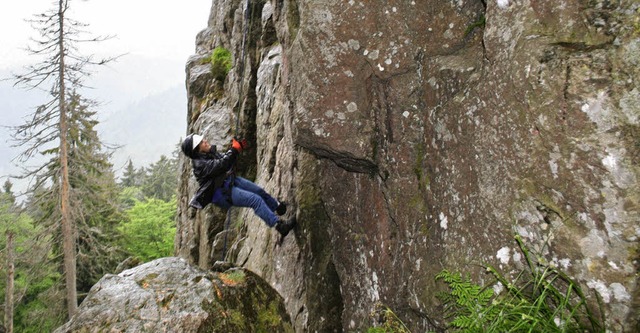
point(169, 295)
point(413, 136)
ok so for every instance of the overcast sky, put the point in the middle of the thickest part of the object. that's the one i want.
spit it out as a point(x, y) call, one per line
point(158, 28)
point(157, 37)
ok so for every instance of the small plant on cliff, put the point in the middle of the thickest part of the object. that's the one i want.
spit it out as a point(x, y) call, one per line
point(480, 23)
point(233, 277)
point(467, 304)
point(540, 299)
point(220, 63)
point(388, 321)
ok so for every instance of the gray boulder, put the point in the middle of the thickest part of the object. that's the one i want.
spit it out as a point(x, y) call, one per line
point(169, 295)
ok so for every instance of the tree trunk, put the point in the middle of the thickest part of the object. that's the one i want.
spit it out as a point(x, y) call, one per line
point(8, 302)
point(68, 234)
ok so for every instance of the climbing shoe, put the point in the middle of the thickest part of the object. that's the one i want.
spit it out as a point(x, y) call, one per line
point(281, 209)
point(284, 227)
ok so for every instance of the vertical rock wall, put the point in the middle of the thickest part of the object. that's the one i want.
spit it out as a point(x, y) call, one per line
point(412, 136)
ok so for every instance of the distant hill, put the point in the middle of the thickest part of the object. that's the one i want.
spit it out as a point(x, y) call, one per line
point(147, 129)
point(143, 110)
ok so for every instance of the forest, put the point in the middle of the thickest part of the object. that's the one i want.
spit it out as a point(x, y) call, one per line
point(76, 221)
point(129, 220)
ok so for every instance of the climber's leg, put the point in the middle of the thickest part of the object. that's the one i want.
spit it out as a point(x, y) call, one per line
point(243, 198)
point(250, 186)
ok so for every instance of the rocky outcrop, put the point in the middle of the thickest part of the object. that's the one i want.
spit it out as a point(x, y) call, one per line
point(169, 295)
point(412, 136)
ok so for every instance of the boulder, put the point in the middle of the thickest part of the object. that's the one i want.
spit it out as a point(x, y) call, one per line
point(169, 295)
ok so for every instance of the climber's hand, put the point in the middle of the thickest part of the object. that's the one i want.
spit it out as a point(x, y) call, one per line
point(244, 143)
point(238, 145)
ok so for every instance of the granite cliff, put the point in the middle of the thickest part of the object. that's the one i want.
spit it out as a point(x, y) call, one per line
point(412, 136)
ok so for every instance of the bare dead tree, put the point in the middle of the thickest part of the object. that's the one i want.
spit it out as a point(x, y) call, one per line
point(61, 71)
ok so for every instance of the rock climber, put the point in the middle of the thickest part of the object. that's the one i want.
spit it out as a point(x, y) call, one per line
point(219, 185)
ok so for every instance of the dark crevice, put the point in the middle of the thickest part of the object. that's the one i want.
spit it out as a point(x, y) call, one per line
point(248, 102)
point(382, 111)
point(389, 206)
point(272, 161)
point(582, 46)
point(343, 160)
point(484, 17)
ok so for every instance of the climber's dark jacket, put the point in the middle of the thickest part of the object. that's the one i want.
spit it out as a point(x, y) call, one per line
point(210, 169)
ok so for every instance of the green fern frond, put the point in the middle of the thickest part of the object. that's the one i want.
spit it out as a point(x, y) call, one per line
point(541, 298)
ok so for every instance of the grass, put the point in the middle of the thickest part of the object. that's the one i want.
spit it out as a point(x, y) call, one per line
point(390, 323)
point(232, 277)
point(540, 299)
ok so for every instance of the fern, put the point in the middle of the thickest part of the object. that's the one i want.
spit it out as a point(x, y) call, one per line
point(540, 299)
point(467, 303)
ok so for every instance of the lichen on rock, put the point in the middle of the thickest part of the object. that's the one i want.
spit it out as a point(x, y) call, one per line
point(169, 295)
point(406, 143)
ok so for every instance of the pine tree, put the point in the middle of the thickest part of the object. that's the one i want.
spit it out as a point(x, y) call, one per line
point(47, 130)
point(161, 180)
point(8, 190)
point(31, 305)
point(94, 194)
point(130, 176)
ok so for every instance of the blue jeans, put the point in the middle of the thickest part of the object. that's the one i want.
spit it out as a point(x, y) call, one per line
point(246, 193)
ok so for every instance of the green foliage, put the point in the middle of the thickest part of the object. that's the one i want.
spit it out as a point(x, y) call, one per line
point(150, 230)
point(234, 276)
point(220, 63)
point(269, 317)
point(93, 193)
point(466, 302)
point(540, 299)
point(161, 179)
point(129, 196)
point(42, 308)
point(101, 211)
point(34, 274)
point(131, 177)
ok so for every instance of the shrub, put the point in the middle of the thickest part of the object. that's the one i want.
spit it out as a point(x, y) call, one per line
point(150, 229)
point(220, 63)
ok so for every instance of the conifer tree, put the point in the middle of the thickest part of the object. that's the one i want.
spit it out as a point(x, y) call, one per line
point(130, 176)
point(46, 132)
point(7, 188)
point(161, 180)
point(31, 304)
point(94, 193)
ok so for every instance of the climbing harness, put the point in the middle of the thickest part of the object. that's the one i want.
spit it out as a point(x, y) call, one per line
point(222, 194)
point(238, 106)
